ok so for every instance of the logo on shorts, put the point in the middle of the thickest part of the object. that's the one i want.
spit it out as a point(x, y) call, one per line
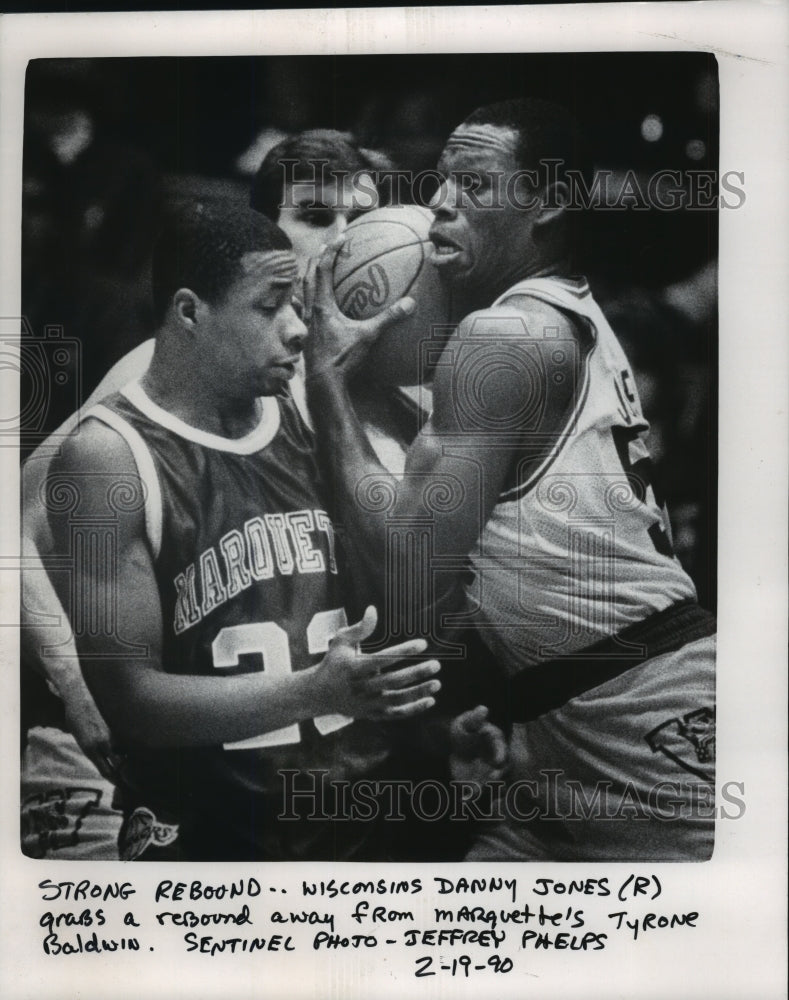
point(689, 741)
point(141, 831)
point(52, 820)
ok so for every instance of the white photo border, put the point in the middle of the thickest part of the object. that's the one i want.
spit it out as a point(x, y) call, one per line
point(738, 948)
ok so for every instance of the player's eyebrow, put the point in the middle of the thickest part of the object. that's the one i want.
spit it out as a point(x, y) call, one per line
point(275, 293)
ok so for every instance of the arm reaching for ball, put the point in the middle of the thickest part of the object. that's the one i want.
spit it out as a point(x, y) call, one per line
point(456, 468)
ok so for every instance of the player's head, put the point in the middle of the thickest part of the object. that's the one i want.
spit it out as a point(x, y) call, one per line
point(544, 132)
point(223, 283)
point(499, 212)
point(312, 184)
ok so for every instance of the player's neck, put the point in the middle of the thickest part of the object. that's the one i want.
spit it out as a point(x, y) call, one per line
point(555, 267)
point(181, 389)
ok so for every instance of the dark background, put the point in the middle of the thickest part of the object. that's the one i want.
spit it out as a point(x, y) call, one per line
point(109, 141)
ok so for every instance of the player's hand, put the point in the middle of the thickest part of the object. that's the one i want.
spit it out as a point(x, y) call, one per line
point(92, 734)
point(478, 749)
point(354, 683)
point(336, 344)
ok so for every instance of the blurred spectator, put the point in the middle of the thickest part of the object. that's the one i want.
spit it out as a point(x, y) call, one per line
point(90, 205)
point(669, 338)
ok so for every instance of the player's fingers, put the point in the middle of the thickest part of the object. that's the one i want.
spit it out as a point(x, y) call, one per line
point(410, 709)
point(352, 635)
point(308, 289)
point(415, 693)
point(407, 677)
point(469, 722)
point(373, 327)
point(393, 654)
point(370, 664)
point(495, 746)
point(324, 272)
point(464, 733)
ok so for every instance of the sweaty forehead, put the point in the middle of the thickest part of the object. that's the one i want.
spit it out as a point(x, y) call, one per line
point(274, 265)
point(480, 140)
point(481, 146)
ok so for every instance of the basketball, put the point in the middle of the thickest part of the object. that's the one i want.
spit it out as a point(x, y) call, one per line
point(385, 257)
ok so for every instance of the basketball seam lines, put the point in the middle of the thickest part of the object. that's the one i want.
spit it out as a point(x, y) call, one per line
point(371, 260)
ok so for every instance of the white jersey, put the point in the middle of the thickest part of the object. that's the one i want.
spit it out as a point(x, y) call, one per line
point(578, 548)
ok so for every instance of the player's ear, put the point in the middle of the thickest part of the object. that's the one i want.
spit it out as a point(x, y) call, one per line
point(186, 305)
point(554, 202)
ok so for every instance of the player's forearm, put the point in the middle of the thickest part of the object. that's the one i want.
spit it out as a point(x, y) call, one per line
point(148, 707)
point(369, 500)
point(40, 604)
point(350, 461)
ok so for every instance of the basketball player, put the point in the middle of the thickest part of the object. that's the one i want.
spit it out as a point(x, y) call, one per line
point(302, 195)
point(303, 198)
point(313, 184)
point(552, 521)
point(226, 563)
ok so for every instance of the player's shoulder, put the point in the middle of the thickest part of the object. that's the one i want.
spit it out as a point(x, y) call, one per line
point(94, 446)
point(509, 359)
point(95, 471)
point(521, 317)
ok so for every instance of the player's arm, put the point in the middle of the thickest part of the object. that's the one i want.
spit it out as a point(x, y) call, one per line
point(48, 646)
point(461, 460)
point(144, 704)
point(44, 621)
point(47, 642)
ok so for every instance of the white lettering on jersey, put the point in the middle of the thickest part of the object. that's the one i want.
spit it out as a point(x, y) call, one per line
point(236, 571)
point(279, 536)
point(272, 542)
point(187, 612)
point(323, 523)
point(214, 592)
point(261, 562)
point(308, 559)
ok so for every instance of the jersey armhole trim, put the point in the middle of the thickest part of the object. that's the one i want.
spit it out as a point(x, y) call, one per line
point(146, 470)
point(522, 488)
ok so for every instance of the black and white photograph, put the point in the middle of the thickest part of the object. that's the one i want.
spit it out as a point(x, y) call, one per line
point(370, 448)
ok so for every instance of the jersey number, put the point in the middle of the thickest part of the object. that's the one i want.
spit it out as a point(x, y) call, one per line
point(270, 641)
point(639, 475)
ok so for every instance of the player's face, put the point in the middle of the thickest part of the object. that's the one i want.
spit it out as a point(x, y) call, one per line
point(481, 231)
point(255, 329)
point(315, 213)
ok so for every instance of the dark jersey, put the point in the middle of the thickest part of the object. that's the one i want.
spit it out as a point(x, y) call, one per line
point(247, 572)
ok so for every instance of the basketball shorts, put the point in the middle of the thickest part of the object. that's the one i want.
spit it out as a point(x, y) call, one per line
point(67, 810)
point(623, 771)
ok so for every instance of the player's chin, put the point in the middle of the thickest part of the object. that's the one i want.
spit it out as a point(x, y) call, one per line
point(453, 267)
